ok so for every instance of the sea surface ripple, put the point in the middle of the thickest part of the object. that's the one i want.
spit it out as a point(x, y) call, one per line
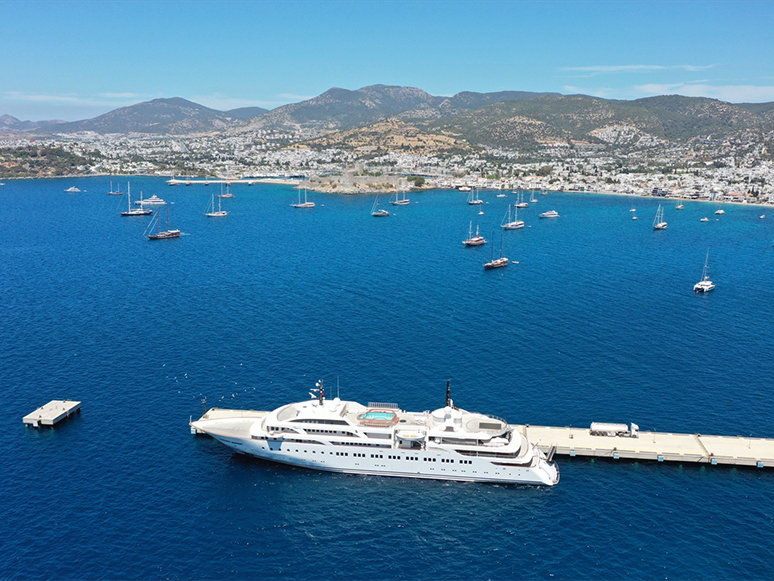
point(596, 322)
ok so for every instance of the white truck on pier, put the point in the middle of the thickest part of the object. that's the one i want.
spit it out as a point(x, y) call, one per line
point(614, 430)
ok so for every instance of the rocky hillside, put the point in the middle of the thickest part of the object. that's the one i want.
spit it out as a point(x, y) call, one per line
point(390, 135)
point(581, 119)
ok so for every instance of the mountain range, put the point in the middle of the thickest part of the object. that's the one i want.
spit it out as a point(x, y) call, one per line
point(506, 119)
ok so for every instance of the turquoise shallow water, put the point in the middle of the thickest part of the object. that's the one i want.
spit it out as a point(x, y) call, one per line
point(596, 322)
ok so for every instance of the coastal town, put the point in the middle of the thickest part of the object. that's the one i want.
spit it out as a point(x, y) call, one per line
point(706, 169)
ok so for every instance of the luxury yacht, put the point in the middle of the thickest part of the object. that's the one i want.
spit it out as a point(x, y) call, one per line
point(381, 439)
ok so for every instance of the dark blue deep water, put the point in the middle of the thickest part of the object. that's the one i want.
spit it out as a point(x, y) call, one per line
point(597, 322)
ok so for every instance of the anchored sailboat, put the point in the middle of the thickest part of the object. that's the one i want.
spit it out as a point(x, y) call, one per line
point(159, 235)
point(705, 285)
point(658, 221)
point(499, 262)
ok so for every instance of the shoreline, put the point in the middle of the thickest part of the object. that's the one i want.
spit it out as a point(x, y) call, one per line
point(356, 192)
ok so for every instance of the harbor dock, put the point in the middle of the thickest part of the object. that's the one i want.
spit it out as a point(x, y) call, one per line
point(655, 446)
point(51, 413)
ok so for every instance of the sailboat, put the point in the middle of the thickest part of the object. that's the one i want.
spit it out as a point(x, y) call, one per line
point(476, 240)
point(228, 193)
point(378, 212)
point(113, 192)
point(705, 285)
point(720, 210)
point(211, 209)
point(507, 224)
point(159, 235)
point(532, 198)
point(658, 221)
point(141, 211)
point(633, 208)
point(473, 198)
point(679, 206)
point(499, 262)
point(305, 204)
point(398, 201)
point(521, 203)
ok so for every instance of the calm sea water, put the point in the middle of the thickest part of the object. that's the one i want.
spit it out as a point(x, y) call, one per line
point(596, 322)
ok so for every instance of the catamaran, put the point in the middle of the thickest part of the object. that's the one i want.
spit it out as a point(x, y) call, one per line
point(705, 285)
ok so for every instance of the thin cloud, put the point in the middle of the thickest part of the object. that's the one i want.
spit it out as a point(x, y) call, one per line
point(122, 96)
point(595, 70)
point(730, 93)
point(290, 97)
point(221, 102)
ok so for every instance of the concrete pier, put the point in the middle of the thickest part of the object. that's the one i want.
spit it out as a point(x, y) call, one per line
point(657, 446)
point(51, 413)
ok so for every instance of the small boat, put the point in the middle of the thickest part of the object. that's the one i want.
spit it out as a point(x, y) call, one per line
point(377, 212)
point(499, 262)
point(658, 221)
point(532, 198)
point(521, 203)
point(154, 200)
point(481, 212)
point(137, 211)
point(550, 214)
point(762, 216)
point(635, 217)
point(211, 212)
point(501, 195)
point(515, 224)
point(72, 190)
point(705, 285)
point(476, 240)
point(305, 204)
point(705, 219)
point(228, 193)
point(633, 208)
point(159, 235)
point(473, 198)
point(113, 192)
point(400, 201)
point(465, 188)
point(679, 207)
point(720, 211)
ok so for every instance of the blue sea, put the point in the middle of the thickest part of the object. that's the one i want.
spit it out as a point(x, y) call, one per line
point(596, 321)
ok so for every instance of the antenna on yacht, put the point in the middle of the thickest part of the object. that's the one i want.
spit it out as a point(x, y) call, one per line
point(320, 391)
point(338, 391)
point(449, 402)
point(204, 405)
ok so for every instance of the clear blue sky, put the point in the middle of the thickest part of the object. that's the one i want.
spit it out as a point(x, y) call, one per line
point(75, 60)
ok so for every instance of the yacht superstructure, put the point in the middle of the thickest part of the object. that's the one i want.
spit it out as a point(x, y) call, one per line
point(381, 439)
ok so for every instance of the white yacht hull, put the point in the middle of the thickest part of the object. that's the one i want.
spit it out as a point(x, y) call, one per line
point(435, 463)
